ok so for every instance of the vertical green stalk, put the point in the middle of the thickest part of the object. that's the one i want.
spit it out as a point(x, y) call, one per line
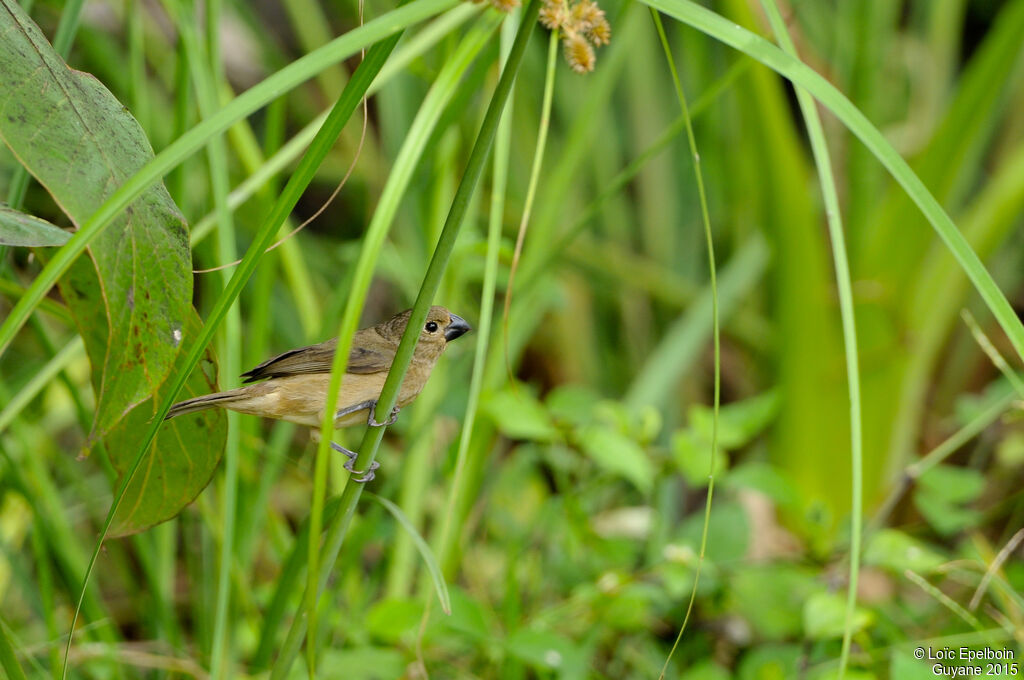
point(339, 523)
point(716, 334)
point(502, 145)
point(208, 77)
point(845, 288)
point(531, 189)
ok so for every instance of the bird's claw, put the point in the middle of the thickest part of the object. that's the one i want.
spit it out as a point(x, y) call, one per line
point(371, 420)
point(364, 476)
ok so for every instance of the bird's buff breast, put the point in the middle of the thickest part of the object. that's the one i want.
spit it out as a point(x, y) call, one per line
point(301, 398)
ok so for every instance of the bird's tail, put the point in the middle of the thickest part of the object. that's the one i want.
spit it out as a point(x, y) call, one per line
point(204, 402)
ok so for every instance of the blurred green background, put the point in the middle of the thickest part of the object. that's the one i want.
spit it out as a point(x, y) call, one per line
point(576, 526)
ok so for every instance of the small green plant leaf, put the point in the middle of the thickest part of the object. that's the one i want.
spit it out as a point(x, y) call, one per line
point(19, 229)
point(70, 132)
point(547, 651)
point(618, 454)
point(187, 450)
point(391, 619)
point(519, 415)
point(739, 422)
point(825, 616)
point(898, 552)
point(943, 491)
point(953, 483)
point(692, 452)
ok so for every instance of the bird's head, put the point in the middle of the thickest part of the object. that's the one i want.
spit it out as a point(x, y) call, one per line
point(440, 328)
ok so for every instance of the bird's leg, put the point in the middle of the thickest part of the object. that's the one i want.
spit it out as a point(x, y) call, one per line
point(367, 475)
point(372, 419)
point(354, 408)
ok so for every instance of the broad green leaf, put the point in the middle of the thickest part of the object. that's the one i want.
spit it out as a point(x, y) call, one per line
point(705, 670)
point(728, 533)
point(692, 453)
point(738, 422)
point(365, 663)
point(519, 415)
point(941, 494)
point(765, 478)
point(897, 551)
point(905, 666)
point(771, 662)
point(187, 450)
point(19, 229)
point(618, 454)
point(547, 651)
point(769, 597)
point(390, 619)
point(573, 404)
point(825, 616)
point(952, 483)
point(81, 144)
point(467, 615)
point(945, 517)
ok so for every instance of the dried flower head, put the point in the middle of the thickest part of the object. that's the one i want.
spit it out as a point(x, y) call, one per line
point(579, 53)
point(505, 5)
point(600, 33)
point(583, 27)
point(554, 14)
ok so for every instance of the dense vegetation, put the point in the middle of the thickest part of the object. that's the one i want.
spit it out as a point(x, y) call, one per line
point(549, 486)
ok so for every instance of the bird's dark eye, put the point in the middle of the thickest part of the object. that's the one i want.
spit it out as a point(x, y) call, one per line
point(431, 326)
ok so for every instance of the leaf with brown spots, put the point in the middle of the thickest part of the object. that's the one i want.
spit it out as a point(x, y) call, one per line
point(185, 454)
point(70, 132)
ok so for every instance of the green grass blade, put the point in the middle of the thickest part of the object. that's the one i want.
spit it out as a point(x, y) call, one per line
point(428, 556)
point(823, 162)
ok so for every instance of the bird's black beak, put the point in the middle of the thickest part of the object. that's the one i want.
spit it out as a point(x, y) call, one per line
point(456, 328)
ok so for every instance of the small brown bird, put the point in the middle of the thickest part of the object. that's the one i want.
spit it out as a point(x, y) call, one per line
point(296, 381)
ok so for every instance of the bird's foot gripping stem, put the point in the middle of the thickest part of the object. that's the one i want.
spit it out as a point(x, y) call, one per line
point(361, 476)
point(371, 420)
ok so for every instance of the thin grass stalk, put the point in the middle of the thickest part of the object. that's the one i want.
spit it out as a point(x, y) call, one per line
point(844, 286)
point(300, 179)
point(207, 75)
point(531, 187)
point(246, 103)
point(502, 146)
point(715, 324)
point(339, 522)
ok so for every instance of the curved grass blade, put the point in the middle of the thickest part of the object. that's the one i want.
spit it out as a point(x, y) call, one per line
point(844, 286)
point(428, 556)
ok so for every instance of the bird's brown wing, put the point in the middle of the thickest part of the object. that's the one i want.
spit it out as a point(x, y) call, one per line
point(318, 358)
